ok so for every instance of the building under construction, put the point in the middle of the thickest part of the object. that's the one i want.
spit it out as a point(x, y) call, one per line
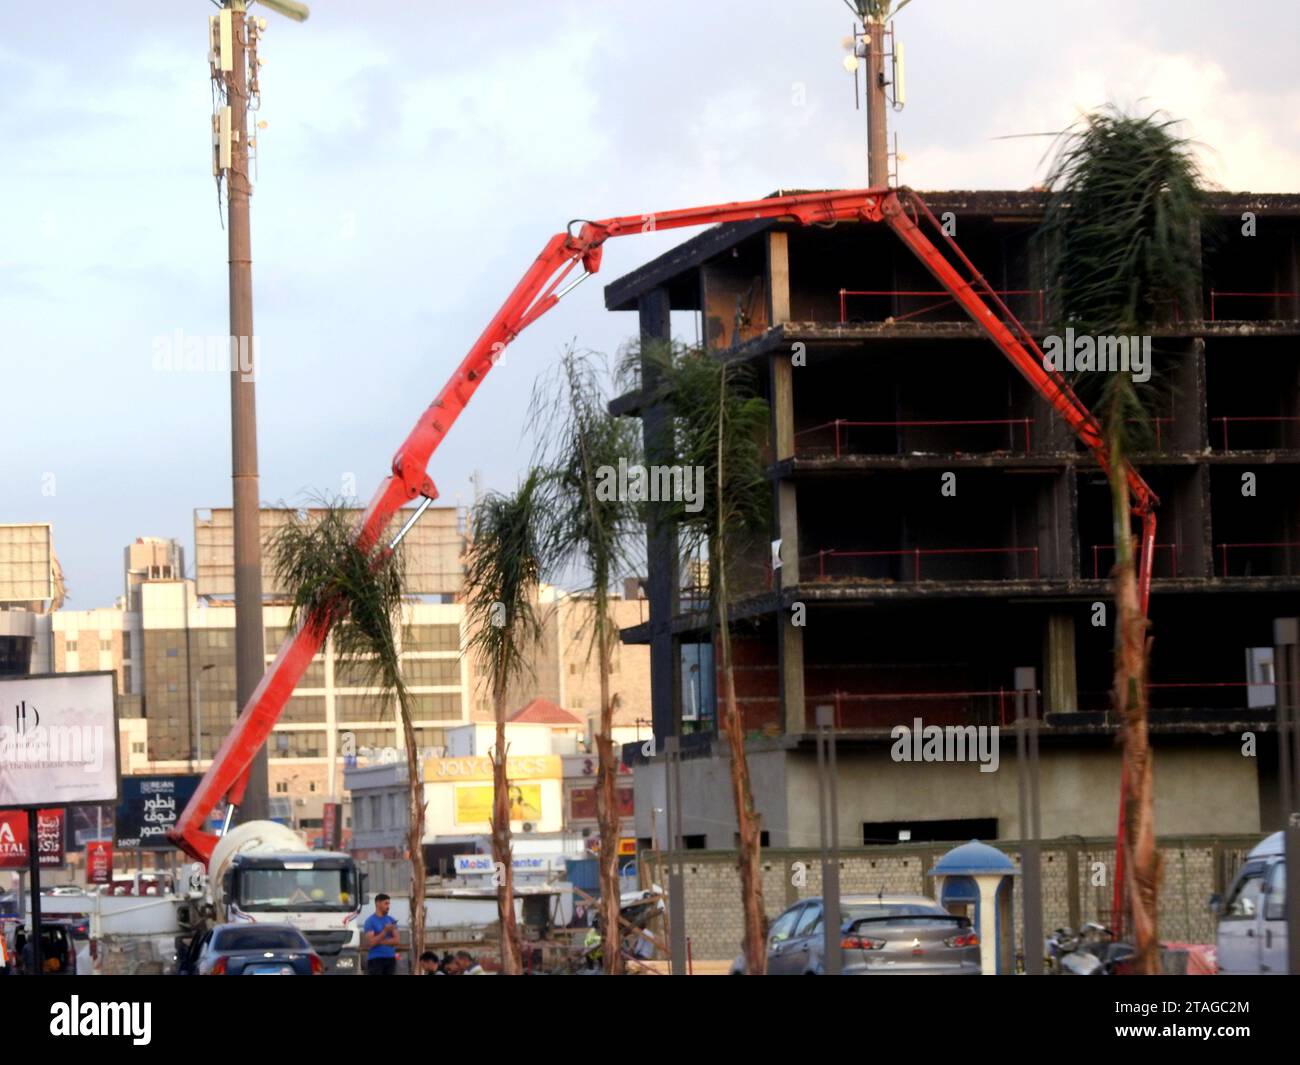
point(945, 539)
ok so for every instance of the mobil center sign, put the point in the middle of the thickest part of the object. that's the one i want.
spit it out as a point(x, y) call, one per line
point(58, 740)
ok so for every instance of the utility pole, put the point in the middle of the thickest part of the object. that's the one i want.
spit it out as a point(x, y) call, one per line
point(877, 106)
point(250, 656)
point(868, 51)
point(234, 69)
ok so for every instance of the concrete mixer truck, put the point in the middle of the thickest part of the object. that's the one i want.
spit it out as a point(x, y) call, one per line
point(263, 871)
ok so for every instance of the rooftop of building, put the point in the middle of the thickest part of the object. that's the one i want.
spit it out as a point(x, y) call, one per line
point(1018, 207)
point(543, 712)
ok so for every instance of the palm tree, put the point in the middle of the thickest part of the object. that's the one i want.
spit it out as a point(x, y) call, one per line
point(720, 424)
point(503, 568)
point(590, 528)
point(1121, 232)
point(357, 598)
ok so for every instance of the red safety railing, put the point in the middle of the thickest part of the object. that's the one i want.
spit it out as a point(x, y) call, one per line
point(1285, 545)
point(916, 554)
point(1273, 419)
point(1215, 296)
point(886, 709)
point(947, 299)
point(1174, 551)
point(841, 425)
point(1157, 422)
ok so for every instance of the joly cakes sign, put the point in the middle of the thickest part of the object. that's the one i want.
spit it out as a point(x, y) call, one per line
point(464, 801)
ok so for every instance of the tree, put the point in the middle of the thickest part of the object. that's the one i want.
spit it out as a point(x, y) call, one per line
point(503, 568)
point(591, 522)
point(720, 423)
point(1122, 237)
point(357, 598)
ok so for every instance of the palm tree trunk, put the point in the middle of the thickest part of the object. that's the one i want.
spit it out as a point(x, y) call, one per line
point(511, 961)
point(1130, 695)
point(415, 833)
point(607, 812)
point(747, 821)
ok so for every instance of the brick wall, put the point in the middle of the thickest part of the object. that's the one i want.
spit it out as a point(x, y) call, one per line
point(1194, 868)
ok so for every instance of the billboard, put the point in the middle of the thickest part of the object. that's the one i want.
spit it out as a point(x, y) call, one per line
point(88, 824)
point(58, 740)
point(14, 840)
point(26, 563)
point(582, 803)
point(99, 862)
point(149, 807)
point(474, 803)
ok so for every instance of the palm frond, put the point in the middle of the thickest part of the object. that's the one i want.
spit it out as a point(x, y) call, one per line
point(503, 568)
point(580, 447)
point(356, 597)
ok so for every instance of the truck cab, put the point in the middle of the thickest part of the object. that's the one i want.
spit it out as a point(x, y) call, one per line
point(1252, 936)
point(318, 892)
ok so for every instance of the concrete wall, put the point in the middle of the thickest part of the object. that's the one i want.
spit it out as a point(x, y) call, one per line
point(1201, 789)
point(710, 810)
point(1198, 789)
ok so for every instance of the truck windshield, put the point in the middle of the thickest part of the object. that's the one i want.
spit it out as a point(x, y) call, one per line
point(296, 889)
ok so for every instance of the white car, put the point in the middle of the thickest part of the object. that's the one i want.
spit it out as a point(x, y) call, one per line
point(1252, 932)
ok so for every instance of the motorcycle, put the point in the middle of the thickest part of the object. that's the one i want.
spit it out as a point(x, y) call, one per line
point(1092, 951)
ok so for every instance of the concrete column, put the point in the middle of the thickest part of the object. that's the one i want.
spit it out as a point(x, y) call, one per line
point(1061, 685)
point(662, 583)
point(778, 277)
point(786, 526)
point(786, 523)
point(790, 652)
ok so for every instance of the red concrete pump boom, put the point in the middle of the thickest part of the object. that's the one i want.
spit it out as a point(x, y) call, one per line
point(537, 292)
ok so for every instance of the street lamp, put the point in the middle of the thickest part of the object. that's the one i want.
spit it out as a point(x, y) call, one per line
point(198, 704)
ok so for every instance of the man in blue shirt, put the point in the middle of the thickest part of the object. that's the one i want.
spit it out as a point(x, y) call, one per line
point(381, 940)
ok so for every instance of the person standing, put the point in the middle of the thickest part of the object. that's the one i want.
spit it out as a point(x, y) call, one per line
point(381, 939)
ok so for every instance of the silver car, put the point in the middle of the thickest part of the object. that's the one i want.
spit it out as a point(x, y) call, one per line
point(880, 935)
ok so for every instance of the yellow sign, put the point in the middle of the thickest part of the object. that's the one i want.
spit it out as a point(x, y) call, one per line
point(474, 803)
point(531, 767)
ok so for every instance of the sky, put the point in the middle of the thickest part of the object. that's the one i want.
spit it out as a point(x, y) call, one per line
point(416, 159)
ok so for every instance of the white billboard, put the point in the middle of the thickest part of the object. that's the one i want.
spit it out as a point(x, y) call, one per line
point(26, 562)
point(58, 740)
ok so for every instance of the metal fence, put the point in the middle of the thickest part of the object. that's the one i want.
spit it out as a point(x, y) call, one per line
point(1077, 883)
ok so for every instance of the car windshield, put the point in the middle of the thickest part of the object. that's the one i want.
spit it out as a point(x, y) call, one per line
point(296, 889)
point(259, 939)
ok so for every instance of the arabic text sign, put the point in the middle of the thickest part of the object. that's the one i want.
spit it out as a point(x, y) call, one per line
point(14, 839)
point(99, 862)
point(149, 807)
point(58, 740)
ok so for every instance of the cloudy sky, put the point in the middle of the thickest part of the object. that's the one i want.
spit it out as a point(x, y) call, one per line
point(419, 154)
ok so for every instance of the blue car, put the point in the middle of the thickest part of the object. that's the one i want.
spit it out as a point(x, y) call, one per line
point(251, 950)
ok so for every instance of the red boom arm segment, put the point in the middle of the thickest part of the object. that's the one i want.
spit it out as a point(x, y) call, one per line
point(537, 292)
